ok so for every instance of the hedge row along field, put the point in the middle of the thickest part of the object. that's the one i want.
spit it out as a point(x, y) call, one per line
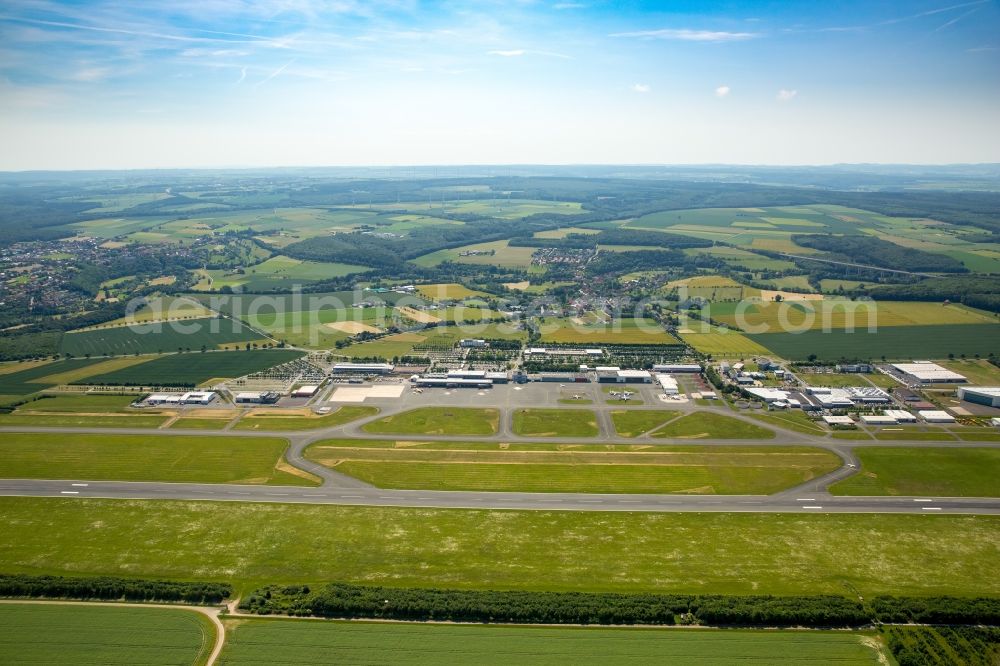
point(107, 588)
point(187, 370)
point(158, 338)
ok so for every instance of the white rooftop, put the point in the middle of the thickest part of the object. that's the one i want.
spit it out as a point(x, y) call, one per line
point(838, 420)
point(926, 371)
point(768, 394)
point(936, 415)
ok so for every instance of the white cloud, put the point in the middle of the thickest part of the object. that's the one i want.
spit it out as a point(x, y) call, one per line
point(690, 35)
point(641, 88)
point(722, 91)
point(513, 53)
point(786, 95)
point(569, 5)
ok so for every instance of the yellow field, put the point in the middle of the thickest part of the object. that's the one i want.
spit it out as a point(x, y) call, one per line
point(713, 288)
point(562, 232)
point(6, 368)
point(447, 292)
point(418, 315)
point(727, 344)
point(621, 331)
point(839, 314)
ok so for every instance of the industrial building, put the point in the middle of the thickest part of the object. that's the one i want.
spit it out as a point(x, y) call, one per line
point(615, 375)
point(362, 368)
point(676, 367)
point(936, 416)
point(839, 421)
point(256, 398)
point(980, 395)
point(878, 419)
point(901, 415)
point(667, 384)
point(198, 397)
point(834, 398)
point(163, 399)
point(925, 372)
point(307, 391)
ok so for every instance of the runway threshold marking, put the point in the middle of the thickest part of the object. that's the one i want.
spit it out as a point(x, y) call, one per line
point(70, 492)
point(79, 485)
point(931, 508)
point(806, 499)
point(923, 500)
point(811, 506)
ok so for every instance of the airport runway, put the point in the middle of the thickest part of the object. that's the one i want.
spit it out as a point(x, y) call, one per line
point(788, 502)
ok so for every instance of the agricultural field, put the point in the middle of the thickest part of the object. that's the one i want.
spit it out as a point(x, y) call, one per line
point(620, 331)
point(715, 288)
point(160, 309)
point(438, 421)
point(447, 292)
point(555, 423)
point(276, 273)
point(725, 553)
point(169, 458)
point(73, 633)
point(282, 420)
point(497, 253)
point(741, 259)
point(159, 337)
point(634, 423)
point(25, 378)
point(711, 425)
point(931, 472)
point(573, 468)
point(440, 337)
point(890, 342)
point(277, 641)
point(194, 368)
point(510, 209)
point(720, 342)
point(841, 314)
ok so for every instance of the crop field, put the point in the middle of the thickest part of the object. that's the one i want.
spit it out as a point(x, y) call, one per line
point(891, 342)
point(438, 421)
point(162, 308)
point(720, 342)
point(171, 458)
point(941, 472)
point(497, 253)
point(278, 272)
point(99, 634)
point(88, 404)
point(579, 468)
point(725, 553)
point(710, 425)
point(276, 641)
point(511, 209)
point(20, 379)
point(401, 344)
point(194, 368)
point(159, 337)
point(620, 331)
point(283, 421)
point(840, 314)
point(712, 288)
point(634, 423)
point(449, 292)
point(555, 423)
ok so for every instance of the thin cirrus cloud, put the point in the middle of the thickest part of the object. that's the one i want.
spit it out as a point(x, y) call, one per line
point(685, 35)
point(785, 95)
point(512, 53)
point(722, 91)
point(641, 88)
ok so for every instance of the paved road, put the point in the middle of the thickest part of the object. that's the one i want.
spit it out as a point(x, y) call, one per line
point(782, 503)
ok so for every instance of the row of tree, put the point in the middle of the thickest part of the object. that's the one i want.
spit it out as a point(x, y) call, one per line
point(106, 588)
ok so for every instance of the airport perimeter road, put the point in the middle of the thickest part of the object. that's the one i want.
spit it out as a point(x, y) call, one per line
point(782, 503)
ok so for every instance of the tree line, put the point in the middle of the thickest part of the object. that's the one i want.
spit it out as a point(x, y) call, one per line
point(107, 588)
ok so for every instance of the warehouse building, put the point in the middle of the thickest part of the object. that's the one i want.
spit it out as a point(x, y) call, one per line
point(676, 367)
point(878, 419)
point(925, 372)
point(901, 415)
point(198, 397)
point(839, 421)
point(667, 384)
point(163, 399)
point(980, 395)
point(307, 391)
point(362, 368)
point(256, 398)
point(936, 416)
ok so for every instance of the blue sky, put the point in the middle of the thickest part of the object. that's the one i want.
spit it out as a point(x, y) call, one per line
point(191, 83)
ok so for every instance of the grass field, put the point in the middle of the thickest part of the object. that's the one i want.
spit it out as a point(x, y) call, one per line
point(710, 425)
point(792, 420)
point(160, 337)
point(497, 253)
point(635, 422)
point(979, 372)
point(276, 641)
point(447, 292)
point(573, 468)
point(555, 423)
point(438, 421)
point(891, 342)
point(280, 421)
point(278, 272)
point(173, 458)
point(89, 404)
point(20, 379)
point(94, 634)
point(726, 553)
point(932, 472)
point(195, 423)
point(618, 331)
point(76, 420)
point(194, 368)
point(400, 344)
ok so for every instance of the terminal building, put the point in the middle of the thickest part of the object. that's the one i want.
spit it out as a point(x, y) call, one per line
point(925, 372)
point(615, 375)
point(544, 351)
point(980, 395)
